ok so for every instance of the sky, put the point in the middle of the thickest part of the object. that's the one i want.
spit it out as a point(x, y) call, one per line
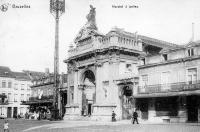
point(27, 34)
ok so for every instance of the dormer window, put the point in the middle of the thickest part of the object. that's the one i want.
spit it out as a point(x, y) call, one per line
point(191, 52)
point(165, 57)
point(143, 61)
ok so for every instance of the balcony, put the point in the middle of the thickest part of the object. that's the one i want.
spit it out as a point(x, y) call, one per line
point(3, 102)
point(170, 87)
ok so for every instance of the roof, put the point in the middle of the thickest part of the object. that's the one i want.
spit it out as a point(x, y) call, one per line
point(145, 39)
point(6, 72)
point(188, 45)
point(35, 75)
point(21, 76)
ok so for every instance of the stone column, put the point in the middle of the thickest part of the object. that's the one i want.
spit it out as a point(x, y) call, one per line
point(182, 111)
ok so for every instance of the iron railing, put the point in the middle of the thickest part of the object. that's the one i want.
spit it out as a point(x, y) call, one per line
point(170, 87)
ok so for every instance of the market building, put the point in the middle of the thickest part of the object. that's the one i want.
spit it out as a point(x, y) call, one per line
point(169, 85)
point(16, 87)
point(102, 71)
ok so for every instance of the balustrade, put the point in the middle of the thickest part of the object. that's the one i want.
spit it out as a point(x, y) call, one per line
point(170, 87)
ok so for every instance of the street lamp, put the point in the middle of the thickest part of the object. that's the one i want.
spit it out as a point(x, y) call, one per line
point(57, 8)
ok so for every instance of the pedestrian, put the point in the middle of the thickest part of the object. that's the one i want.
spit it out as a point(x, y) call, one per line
point(6, 126)
point(135, 117)
point(113, 116)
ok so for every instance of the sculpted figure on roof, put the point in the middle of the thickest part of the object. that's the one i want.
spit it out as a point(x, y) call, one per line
point(91, 18)
point(89, 26)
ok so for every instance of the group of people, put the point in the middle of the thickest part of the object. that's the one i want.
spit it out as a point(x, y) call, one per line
point(134, 117)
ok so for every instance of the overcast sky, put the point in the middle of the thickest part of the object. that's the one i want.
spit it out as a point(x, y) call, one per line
point(27, 35)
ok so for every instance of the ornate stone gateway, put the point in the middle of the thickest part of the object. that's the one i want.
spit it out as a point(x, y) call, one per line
point(88, 93)
point(127, 101)
point(94, 62)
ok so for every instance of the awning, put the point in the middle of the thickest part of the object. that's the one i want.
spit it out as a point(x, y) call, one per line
point(167, 94)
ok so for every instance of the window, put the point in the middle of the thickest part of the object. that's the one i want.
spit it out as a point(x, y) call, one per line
point(28, 96)
point(144, 80)
point(21, 110)
point(192, 75)
point(3, 84)
point(9, 97)
point(9, 84)
point(15, 98)
point(22, 97)
point(128, 67)
point(28, 87)
point(165, 80)
point(165, 57)
point(16, 86)
point(22, 86)
point(143, 61)
point(190, 52)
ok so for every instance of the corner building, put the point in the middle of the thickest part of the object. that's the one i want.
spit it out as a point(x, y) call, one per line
point(102, 71)
point(169, 85)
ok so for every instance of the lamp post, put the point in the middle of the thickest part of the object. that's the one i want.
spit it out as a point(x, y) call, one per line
point(57, 8)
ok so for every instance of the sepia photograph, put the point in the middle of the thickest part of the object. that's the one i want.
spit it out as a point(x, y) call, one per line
point(99, 65)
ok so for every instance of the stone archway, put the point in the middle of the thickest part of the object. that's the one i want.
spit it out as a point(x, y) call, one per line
point(88, 92)
point(127, 101)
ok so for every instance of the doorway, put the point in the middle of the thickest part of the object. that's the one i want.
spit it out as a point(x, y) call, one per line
point(192, 108)
point(9, 112)
point(15, 112)
point(89, 109)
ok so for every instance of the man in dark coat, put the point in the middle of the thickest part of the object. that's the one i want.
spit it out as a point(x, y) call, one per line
point(135, 117)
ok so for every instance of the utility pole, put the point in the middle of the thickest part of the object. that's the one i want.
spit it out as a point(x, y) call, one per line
point(57, 8)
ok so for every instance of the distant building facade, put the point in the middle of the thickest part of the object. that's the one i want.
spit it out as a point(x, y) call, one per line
point(43, 93)
point(102, 71)
point(16, 86)
point(169, 84)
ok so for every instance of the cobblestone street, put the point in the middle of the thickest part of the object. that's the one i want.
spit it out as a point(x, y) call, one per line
point(89, 126)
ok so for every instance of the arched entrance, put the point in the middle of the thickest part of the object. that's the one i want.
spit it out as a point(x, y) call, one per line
point(88, 92)
point(127, 101)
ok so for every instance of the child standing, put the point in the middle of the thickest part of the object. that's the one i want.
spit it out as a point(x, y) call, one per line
point(6, 126)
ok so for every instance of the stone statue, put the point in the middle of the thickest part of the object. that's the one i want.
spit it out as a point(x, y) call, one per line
point(89, 26)
point(91, 23)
